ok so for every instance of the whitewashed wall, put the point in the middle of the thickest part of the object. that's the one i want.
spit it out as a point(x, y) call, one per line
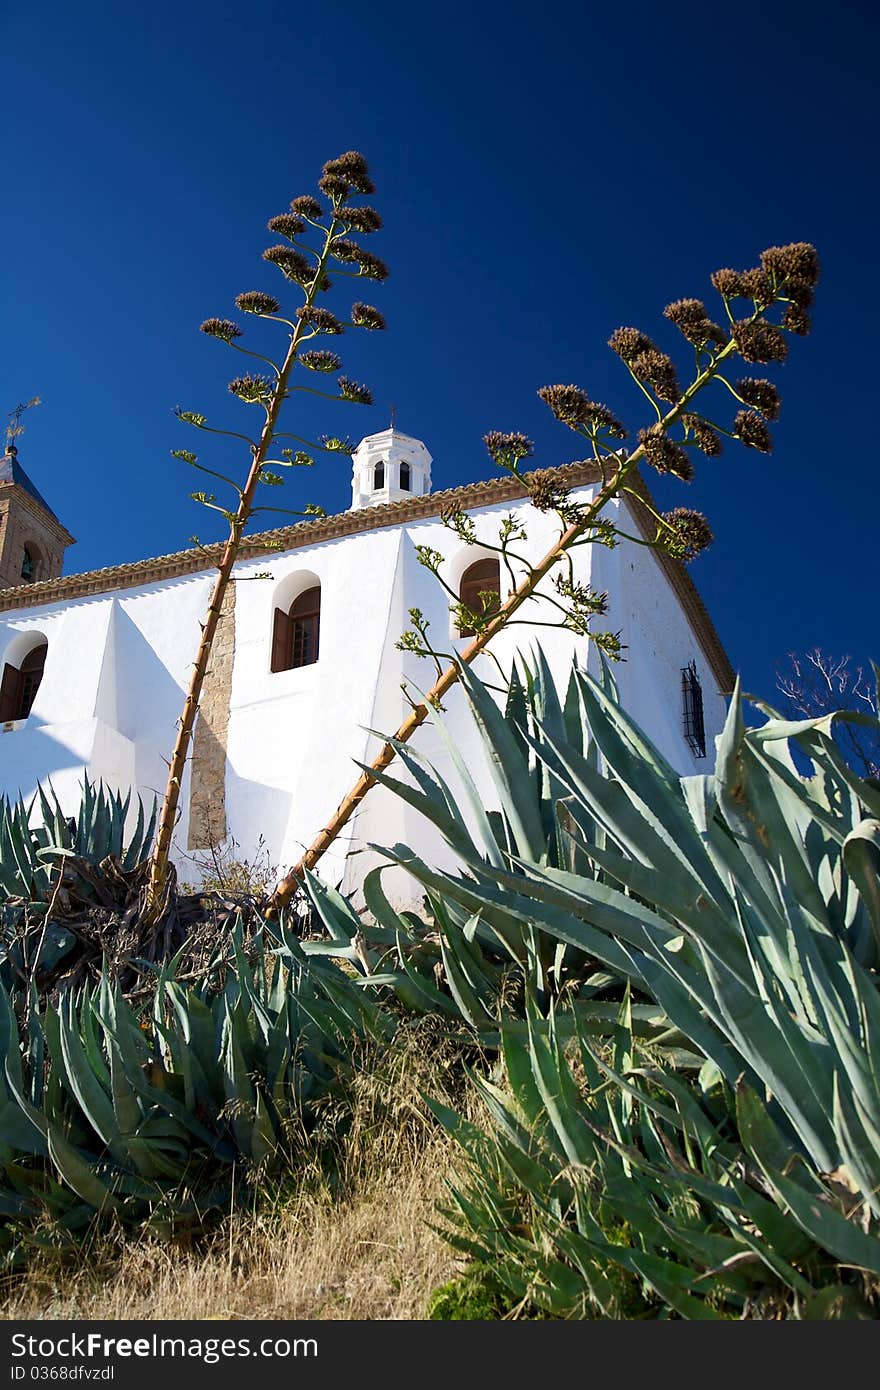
point(118, 665)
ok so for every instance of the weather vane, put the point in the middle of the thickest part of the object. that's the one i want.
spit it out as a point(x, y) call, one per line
point(15, 427)
point(392, 411)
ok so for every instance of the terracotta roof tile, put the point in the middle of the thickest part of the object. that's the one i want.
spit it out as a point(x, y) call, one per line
point(349, 523)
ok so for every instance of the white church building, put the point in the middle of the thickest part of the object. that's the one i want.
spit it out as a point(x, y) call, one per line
point(94, 666)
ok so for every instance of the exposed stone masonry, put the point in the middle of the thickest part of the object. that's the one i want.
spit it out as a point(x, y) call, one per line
point(207, 804)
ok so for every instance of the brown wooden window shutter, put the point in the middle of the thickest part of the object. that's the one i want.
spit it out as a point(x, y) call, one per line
point(281, 643)
point(10, 689)
point(18, 688)
point(480, 579)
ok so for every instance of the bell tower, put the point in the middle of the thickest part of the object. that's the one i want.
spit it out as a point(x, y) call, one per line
point(32, 539)
point(389, 467)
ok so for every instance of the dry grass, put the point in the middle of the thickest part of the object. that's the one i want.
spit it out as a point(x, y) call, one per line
point(356, 1245)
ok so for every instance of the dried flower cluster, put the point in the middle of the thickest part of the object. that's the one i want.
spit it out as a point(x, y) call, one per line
point(365, 316)
point(345, 174)
point(705, 438)
point(664, 454)
point(762, 395)
point(256, 302)
point(363, 220)
point(307, 206)
point(286, 224)
point(573, 407)
point(292, 264)
point(320, 361)
point(353, 391)
point(253, 389)
point(759, 341)
point(690, 317)
point(688, 534)
point(751, 430)
point(508, 449)
point(320, 319)
point(224, 329)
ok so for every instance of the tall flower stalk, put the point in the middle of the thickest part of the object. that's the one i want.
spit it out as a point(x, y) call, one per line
point(778, 294)
point(329, 220)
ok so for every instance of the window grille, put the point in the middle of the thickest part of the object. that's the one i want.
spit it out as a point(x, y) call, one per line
point(692, 710)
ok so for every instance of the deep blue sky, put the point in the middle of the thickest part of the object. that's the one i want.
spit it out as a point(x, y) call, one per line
point(545, 172)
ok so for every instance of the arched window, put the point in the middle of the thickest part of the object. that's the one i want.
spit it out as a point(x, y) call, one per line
point(480, 590)
point(19, 684)
point(378, 476)
point(30, 565)
point(405, 485)
point(296, 633)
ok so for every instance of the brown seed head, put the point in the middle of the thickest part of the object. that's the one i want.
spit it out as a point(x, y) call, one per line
point(291, 263)
point(729, 283)
point(371, 266)
point(798, 260)
point(683, 311)
point(545, 491)
point(365, 316)
point(351, 169)
point(665, 455)
point(573, 407)
point(319, 361)
point(224, 329)
point(758, 287)
point(796, 320)
point(285, 224)
point(751, 430)
point(322, 319)
point(706, 438)
point(801, 291)
point(760, 341)
point(629, 342)
point(353, 391)
point(762, 395)
point(345, 250)
point(334, 187)
point(307, 206)
point(690, 533)
point(505, 449)
point(689, 315)
point(255, 302)
point(657, 371)
point(255, 390)
point(363, 220)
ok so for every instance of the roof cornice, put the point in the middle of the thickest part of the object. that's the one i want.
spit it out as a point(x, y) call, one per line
point(306, 533)
point(31, 503)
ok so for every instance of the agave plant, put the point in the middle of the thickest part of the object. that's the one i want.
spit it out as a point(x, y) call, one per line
point(745, 905)
point(54, 875)
point(739, 911)
point(610, 1184)
point(488, 957)
point(156, 1118)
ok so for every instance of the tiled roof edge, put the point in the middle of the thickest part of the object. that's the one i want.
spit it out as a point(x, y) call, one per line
point(305, 533)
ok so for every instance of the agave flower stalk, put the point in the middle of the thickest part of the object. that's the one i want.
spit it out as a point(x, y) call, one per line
point(786, 278)
point(306, 267)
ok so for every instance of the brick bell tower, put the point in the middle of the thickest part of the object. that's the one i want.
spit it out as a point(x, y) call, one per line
point(32, 539)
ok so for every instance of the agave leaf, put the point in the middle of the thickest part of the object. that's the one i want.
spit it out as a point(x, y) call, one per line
point(861, 855)
point(508, 768)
